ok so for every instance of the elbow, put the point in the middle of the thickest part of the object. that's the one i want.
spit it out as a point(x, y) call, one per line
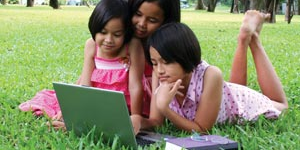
point(202, 129)
point(156, 122)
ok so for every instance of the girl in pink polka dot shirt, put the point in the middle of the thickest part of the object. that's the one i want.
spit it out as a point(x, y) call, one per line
point(193, 95)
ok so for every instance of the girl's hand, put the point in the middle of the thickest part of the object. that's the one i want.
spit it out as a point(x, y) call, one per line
point(58, 116)
point(136, 123)
point(57, 122)
point(166, 92)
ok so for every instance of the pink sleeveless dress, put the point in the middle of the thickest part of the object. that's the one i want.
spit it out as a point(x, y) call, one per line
point(239, 103)
point(112, 74)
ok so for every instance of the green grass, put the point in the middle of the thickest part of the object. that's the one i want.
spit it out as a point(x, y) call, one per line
point(40, 45)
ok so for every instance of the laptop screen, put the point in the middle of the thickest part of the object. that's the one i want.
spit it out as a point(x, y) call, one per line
point(84, 108)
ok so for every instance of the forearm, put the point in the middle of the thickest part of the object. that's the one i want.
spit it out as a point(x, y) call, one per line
point(88, 64)
point(181, 122)
point(136, 99)
point(85, 78)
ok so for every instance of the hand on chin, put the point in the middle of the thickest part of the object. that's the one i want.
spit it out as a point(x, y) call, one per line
point(166, 92)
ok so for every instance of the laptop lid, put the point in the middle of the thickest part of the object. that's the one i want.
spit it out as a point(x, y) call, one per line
point(84, 108)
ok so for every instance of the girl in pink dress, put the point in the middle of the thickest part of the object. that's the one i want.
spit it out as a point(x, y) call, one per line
point(193, 95)
point(110, 62)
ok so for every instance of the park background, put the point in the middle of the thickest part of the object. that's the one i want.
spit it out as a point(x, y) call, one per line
point(40, 45)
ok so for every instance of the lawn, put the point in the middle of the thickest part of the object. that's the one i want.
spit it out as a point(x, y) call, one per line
point(40, 45)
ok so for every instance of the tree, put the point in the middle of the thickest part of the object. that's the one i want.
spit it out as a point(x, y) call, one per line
point(211, 5)
point(256, 4)
point(200, 5)
point(271, 7)
point(30, 3)
point(234, 6)
point(289, 10)
point(86, 2)
point(246, 5)
point(54, 4)
point(298, 8)
point(3, 2)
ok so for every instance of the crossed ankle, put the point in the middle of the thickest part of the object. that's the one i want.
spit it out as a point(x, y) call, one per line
point(245, 33)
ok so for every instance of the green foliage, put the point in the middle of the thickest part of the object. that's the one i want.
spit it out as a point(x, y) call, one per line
point(13, 1)
point(40, 45)
point(226, 2)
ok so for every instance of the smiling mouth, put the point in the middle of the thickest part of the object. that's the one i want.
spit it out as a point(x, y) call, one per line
point(140, 32)
point(108, 47)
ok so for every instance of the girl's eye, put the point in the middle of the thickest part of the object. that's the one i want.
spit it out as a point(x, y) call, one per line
point(152, 20)
point(103, 32)
point(138, 13)
point(165, 62)
point(118, 34)
point(154, 63)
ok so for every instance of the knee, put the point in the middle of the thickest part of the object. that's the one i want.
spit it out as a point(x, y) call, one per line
point(280, 105)
point(285, 105)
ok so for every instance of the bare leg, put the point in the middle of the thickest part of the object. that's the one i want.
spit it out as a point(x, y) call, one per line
point(238, 72)
point(252, 23)
point(266, 75)
point(267, 78)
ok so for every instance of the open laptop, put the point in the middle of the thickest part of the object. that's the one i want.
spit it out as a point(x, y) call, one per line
point(86, 108)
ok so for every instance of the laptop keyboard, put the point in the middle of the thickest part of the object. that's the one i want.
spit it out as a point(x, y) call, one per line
point(143, 142)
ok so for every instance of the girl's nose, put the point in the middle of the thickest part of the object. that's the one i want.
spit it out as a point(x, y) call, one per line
point(142, 23)
point(108, 39)
point(160, 69)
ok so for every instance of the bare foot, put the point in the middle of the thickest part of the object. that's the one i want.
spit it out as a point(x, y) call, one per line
point(253, 22)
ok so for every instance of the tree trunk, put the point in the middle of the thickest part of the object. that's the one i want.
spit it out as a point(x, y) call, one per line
point(54, 4)
point(298, 7)
point(271, 8)
point(246, 5)
point(234, 6)
point(4, 2)
point(266, 6)
point(30, 3)
point(86, 3)
point(256, 4)
point(211, 5)
point(200, 5)
point(289, 11)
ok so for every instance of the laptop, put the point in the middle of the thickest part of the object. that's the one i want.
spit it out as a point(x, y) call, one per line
point(105, 111)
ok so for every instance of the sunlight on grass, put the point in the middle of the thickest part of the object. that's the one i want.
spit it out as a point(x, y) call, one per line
point(40, 45)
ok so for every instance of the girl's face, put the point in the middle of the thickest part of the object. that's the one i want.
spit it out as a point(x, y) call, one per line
point(111, 38)
point(147, 19)
point(166, 72)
